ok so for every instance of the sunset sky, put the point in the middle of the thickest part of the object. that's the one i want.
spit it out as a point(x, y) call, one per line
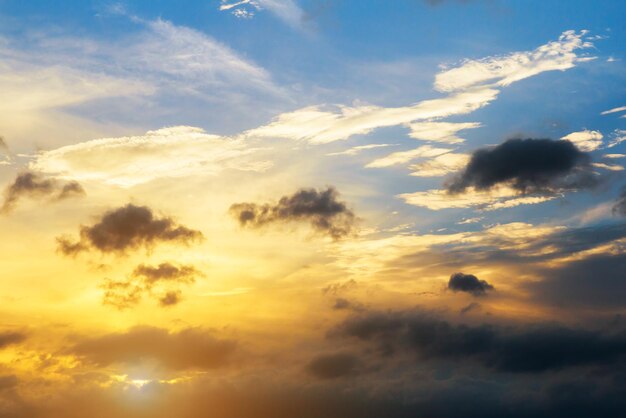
point(312, 208)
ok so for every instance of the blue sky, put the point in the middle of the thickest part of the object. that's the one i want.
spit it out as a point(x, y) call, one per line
point(379, 203)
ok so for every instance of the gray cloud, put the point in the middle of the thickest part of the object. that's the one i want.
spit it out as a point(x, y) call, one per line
point(620, 205)
point(166, 278)
point(321, 209)
point(333, 366)
point(529, 166)
point(8, 338)
point(529, 349)
point(468, 283)
point(128, 228)
point(35, 185)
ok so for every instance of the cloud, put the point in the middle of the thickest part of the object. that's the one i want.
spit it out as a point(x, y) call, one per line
point(356, 150)
point(618, 137)
point(333, 366)
point(443, 132)
point(320, 208)
point(468, 283)
point(614, 110)
point(35, 185)
point(406, 156)
point(527, 165)
point(8, 338)
point(161, 282)
point(505, 70)
point(128, 161)
point(528, 349)
point(188, 349)
point(585, 140)
point(440, 165)
point(620, 205)
point(128, 228)
point(286, 10)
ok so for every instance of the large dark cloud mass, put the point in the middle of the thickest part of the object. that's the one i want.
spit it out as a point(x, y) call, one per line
point(35, 185)
point(468, 283)
point(187, 349)
point(530, 349)
point(527, 165)
point(128, 228)
point(321, 208)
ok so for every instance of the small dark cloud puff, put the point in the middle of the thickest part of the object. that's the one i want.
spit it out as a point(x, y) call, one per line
point(8, 338)
point(333, 366)
point(161, 282)
point(320, 208)
point(468, 283)
point(529, 166)
point(128, 228)
point(35, 185)
point(620, 205)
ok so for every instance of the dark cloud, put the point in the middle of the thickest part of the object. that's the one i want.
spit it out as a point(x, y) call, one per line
point(11, 337)
point(469, 308)
point(322, 209)
point(189, 349)
point(341, 303)
point(166, 278)
point(166, 271)
point(3, 145)
point(170, 298)
point(598, 281)
point(530, 349)
point(468, 283)
point(35, 185)
point(128, 228)
point(333, 366)
point(339, 288)
point(620, 204)
point(529, 166)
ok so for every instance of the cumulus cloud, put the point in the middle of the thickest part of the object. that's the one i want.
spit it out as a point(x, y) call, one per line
point(585, 140)
point(333, 366)
point(468, 283)
point(35, 185)
point(322, 209)
point(161, 282)
point(527, 165)
point(128, 228)
point(187, 349)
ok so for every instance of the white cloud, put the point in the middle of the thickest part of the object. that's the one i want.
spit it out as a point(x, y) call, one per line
point(500, 198)
point(444, 132)
point(614, 110)
point(610, 167)
point(169, 152)
point(440, 165)
point(585, 140)
point(402, 157)
point(286, 10)
point(505, 70)
point(614, 155)
point(356, 150)
point(618, 137)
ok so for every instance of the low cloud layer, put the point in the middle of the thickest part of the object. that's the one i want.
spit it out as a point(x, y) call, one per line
point(128, 228)
point(528, 349)
point(182, 350)
point(35, 185)
point(527, 165)
point(468, 283)
point(322, 209)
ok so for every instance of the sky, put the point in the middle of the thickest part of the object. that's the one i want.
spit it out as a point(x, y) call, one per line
point(312, 208)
